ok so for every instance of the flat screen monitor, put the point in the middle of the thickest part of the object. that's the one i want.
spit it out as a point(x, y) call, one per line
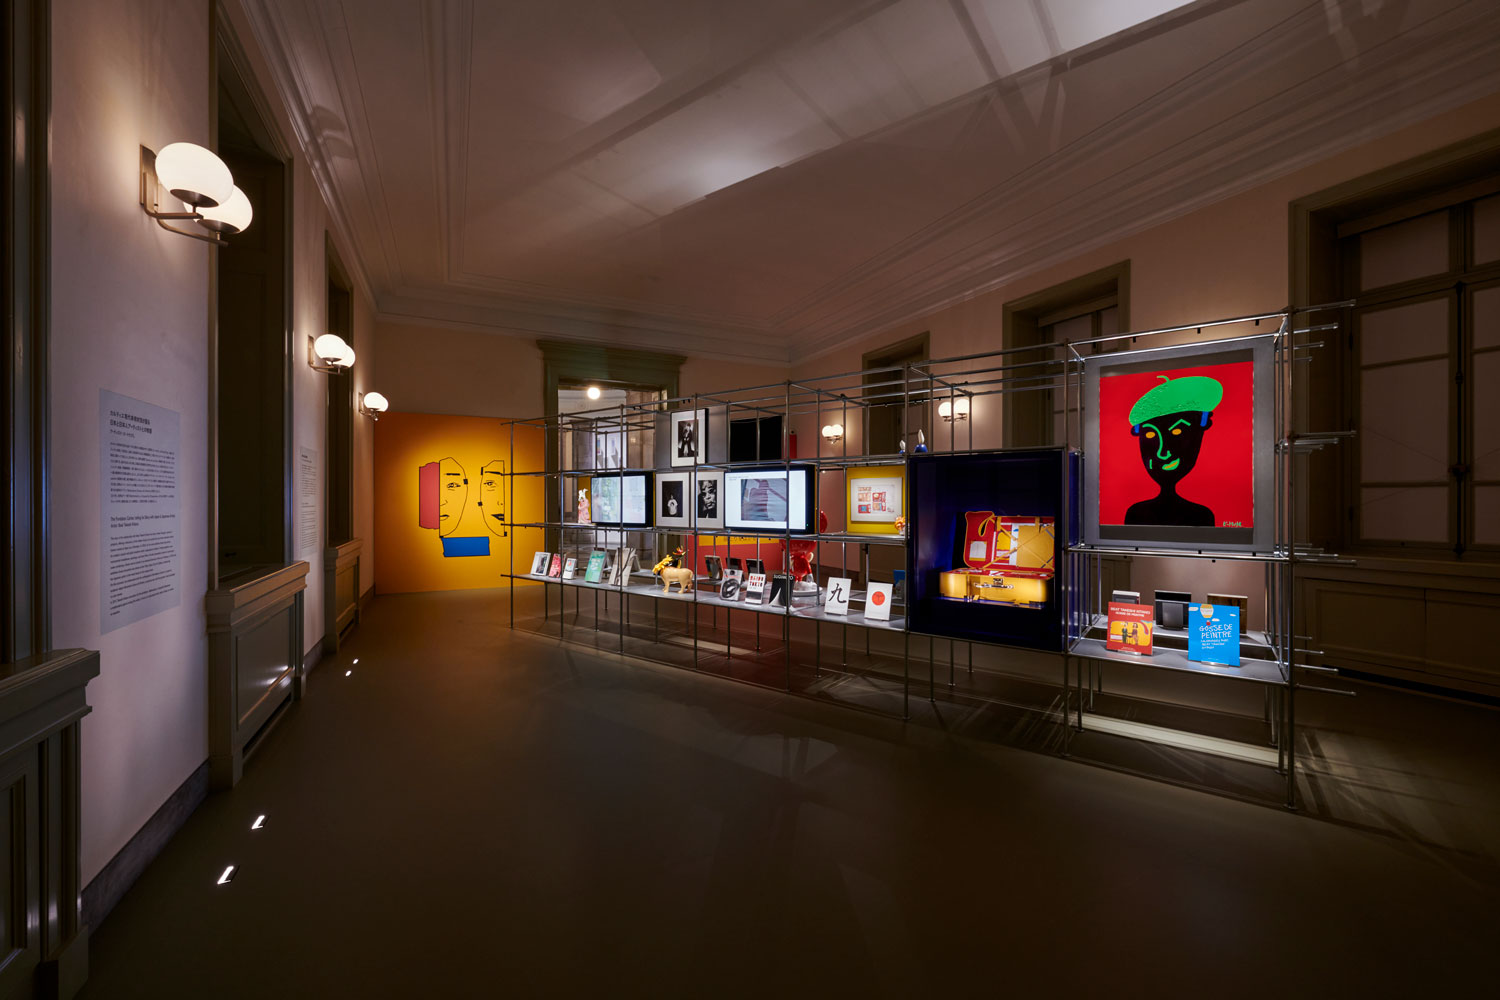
point(621, 499)
point(772, 499)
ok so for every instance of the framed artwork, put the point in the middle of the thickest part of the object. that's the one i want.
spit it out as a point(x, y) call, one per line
point(689, 438)
point(674, 500)
point(622, 499)
point(609, 447)
point(708, 499)
point(1178, 446)
point(876, 498)
point(539, 563)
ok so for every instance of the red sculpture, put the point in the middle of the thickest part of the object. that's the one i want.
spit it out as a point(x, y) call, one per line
point(801, 555)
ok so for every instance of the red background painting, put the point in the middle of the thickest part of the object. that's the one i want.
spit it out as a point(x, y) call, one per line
point(1224, 478)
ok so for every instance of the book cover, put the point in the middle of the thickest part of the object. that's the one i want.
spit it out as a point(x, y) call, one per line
point(715, 568)
point(1130, 628)
point(755, 588)
point(1214, 634)
point(729, 587)
point(555, 570)
point(539, 563)
point(595, 571)
point(878, 602)
point(837, 602)
point(781, 588)
point(570, 568)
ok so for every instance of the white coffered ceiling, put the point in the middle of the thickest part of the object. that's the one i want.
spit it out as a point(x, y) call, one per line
point(762, 180)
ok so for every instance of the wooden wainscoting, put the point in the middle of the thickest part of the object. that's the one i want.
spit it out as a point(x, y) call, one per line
point(1416, 620)
point(43, 943)
point(340, 592)
point(255, 661)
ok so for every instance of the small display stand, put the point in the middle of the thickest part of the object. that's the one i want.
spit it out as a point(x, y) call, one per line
point(1002, 548)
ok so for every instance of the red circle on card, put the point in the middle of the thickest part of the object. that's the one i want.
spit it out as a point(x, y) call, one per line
point(878, 598)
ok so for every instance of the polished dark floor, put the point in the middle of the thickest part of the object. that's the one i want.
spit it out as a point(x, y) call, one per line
point(474, 812)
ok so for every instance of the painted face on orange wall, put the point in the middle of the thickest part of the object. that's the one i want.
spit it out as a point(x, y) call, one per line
point(453, 495)
point(492, 496)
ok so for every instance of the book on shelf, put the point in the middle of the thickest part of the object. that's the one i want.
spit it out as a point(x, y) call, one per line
point(735, 564)
point(1130, 627)
point(878, 602)
point(715, 568)
point(625, 561)
point(1235, 600)
point(781, 589)
point(539, 563)
point(729, 587)
point(837, 602)
point(595, 571)
point(1125, 596)
point(1214, 634)
point(755, 588)
point(554, 571)
point(570, 567)
point(1171, 608)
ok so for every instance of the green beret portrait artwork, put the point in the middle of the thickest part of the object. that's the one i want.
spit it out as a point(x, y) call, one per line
point(1170, 421)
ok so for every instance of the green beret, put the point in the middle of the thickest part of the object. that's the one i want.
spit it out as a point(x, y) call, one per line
point(1192, 392)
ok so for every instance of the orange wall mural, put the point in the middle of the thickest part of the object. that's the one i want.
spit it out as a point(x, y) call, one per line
point(444, 508)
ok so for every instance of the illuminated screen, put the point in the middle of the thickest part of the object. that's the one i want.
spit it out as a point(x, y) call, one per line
point(771, 499)
point(620, 499)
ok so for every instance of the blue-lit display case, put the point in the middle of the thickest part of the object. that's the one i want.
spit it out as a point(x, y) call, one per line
point(987, 536)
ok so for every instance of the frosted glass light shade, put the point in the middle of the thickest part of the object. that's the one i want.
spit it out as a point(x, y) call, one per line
point(593, 392)
point(833, 432)
point(958, 409)
point(331, 350)
point(194, 175)
point(228, 217)
point(376, 403)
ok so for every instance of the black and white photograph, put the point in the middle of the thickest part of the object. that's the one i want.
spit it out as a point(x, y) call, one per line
point(689, 429)
point(674, 500)
point(708, 492)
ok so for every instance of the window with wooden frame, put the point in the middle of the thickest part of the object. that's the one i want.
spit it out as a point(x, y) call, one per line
point(1036, 414)
point(1421, 373)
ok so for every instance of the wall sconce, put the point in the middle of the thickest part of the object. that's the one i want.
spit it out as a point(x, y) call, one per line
point(593, 392)
point(373, 404)
point(330, 354)
point(833, 433)
point(203, 184)
point(956, 409)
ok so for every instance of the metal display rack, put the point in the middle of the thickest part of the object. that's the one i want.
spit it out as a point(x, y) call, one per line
point(1272, 657)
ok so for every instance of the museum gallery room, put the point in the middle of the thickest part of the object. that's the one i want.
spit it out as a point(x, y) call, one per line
point(807, 498)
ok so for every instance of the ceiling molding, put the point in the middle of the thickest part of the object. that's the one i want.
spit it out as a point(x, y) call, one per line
point(1055, 209)
point(590, 326)
point(1297, 128)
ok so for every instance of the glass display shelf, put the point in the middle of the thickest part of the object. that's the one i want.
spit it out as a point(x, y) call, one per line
point(1260, 670)
point(709, 598)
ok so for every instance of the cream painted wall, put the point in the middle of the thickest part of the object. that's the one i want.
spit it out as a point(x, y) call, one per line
point(1229, 259)
point(130, 314)
point(435, 369)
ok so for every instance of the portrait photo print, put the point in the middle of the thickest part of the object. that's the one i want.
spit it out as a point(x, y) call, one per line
point(688, 434)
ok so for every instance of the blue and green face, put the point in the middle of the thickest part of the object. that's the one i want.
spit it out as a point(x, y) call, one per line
point(1170, 443)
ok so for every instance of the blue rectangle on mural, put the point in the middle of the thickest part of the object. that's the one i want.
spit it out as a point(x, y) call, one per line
point(479, 546)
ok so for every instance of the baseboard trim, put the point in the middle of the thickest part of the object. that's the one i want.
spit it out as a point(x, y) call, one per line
point(366, 598)
point(311, 659)
point(109, 886)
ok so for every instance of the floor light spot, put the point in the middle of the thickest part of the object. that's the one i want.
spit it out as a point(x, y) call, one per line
point(348, 673)
point(228, 874)
point(260, 822)
point(356, 661)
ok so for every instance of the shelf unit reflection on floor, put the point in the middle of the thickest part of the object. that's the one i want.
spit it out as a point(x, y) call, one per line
point(637, 440)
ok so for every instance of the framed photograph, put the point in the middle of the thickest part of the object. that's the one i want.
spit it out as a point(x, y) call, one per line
point(539, 563)
point(689, 437)
point(708, 499)
point(609, 447)
point(622, 499)
point(876, 499)
point(1178, 446)
point(674, 500)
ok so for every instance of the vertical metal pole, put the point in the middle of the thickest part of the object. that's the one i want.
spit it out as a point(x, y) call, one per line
point(931, 674)
point(511, 486)
point(950, 663)
point(906, 674)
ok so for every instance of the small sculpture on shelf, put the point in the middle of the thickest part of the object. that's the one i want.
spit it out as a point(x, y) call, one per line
point(800, 553)
point(671, 571)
